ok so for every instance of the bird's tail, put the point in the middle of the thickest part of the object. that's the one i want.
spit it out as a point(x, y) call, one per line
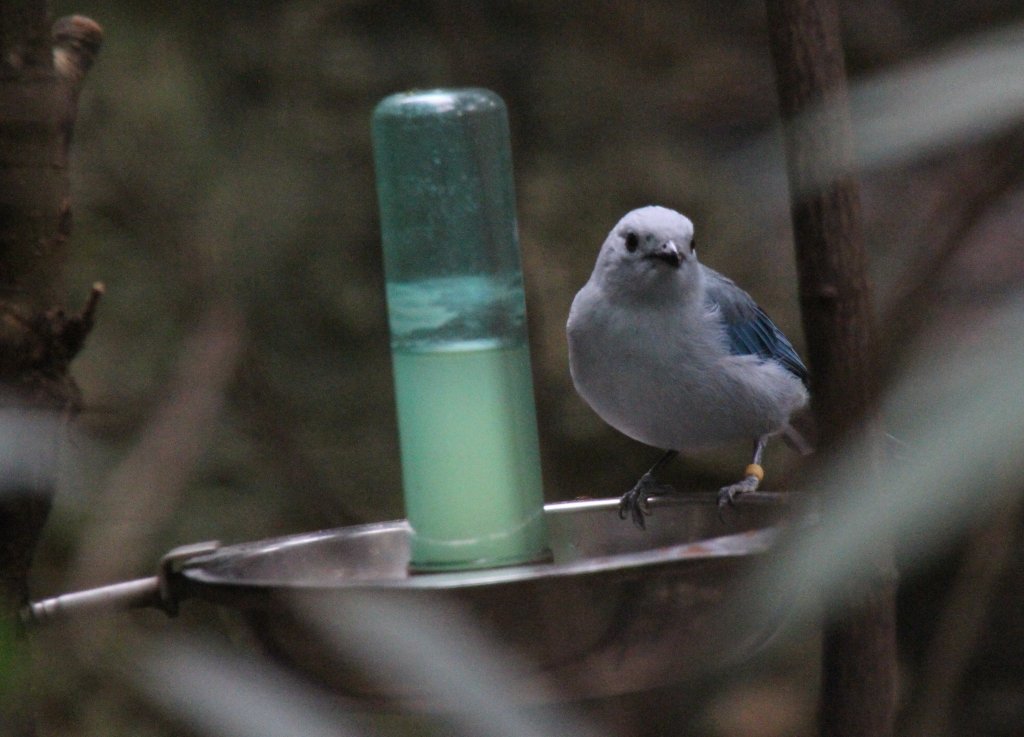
point(802, 437)
point(801, 440)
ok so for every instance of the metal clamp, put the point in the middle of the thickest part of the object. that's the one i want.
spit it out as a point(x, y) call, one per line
point(171, 565)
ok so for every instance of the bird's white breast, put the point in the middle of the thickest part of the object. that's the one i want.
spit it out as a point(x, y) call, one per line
point(663, 375)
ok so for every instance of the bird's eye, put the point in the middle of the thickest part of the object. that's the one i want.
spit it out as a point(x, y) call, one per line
point(693, 244)
point(632, 241)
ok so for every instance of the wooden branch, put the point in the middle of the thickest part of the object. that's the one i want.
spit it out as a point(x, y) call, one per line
point(39, 88)
point(832, 267)
point(859, 649)
point(76, 43)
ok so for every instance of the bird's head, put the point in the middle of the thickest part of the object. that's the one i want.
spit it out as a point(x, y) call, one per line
point(649, 253)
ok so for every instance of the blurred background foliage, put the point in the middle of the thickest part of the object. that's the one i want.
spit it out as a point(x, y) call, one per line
point(238, 381)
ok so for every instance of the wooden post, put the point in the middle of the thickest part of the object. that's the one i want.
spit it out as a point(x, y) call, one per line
point(41, 71)
point(859, 644)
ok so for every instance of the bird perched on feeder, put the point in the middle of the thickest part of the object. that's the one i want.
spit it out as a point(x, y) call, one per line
point(675, 355)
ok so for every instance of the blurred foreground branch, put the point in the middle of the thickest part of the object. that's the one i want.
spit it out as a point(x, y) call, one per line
point(145, 489)
point(979, 180)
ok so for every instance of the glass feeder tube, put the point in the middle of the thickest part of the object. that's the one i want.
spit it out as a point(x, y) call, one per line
point(457, 314)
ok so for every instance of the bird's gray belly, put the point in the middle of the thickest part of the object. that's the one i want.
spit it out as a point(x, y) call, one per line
point(650, 399)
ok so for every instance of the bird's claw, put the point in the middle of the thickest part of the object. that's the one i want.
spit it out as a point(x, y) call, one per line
point(635, 503)
point(726, 500)
point(728, 495)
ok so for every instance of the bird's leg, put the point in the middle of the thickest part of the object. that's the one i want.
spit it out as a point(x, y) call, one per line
point(634, 501)
point(727, 495)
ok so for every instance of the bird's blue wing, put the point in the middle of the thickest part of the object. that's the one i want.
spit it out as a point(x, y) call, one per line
point(749, 329)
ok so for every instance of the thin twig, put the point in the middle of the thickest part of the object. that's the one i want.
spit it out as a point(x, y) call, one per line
point(961, 622)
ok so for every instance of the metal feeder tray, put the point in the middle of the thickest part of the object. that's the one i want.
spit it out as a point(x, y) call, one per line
point(617, 610)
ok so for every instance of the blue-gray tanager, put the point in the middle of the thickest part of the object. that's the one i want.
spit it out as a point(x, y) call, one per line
point(675, 355)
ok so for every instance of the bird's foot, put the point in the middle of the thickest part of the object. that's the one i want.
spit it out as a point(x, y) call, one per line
point(728, 495)
point(634, 502)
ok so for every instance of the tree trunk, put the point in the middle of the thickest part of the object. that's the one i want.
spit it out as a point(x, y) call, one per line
point(41, 71)
point(859, 644)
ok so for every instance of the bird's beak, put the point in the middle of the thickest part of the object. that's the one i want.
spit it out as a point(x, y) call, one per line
point(669, 253)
